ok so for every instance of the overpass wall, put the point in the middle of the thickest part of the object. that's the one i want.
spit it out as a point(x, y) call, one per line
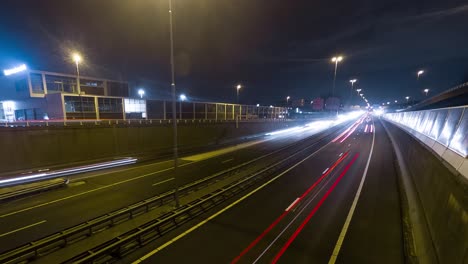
point(434, 145)
point(38, 147)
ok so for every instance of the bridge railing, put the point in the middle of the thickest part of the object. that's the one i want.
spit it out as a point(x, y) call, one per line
point(444, 130)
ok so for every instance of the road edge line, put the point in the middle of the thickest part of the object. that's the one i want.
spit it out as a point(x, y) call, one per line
point(344, 230)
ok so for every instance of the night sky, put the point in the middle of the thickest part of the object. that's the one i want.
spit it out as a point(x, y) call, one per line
point(275, 48)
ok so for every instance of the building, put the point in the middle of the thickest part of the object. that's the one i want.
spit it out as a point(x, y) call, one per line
point(42, 95)
point(332, 103)
point(318, 104)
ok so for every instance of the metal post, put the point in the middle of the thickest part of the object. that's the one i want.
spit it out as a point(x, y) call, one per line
point(78, 88)
point(174, 118)
point(164, 109)
point(334, 77)
point(194, 111)
point(206, 111)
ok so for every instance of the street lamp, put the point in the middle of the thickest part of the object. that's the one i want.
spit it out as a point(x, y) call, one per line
point(287, 100)
point(238, 87)
point(174, 107)
point(352, 88)
point(388, 103)
point(396, 101)
point(141, 92)
point(77, 59)
point(335, 60)
point(419, 73)
point(182, 97)
point(407, 99)
point(358, 91)
point(426, 91)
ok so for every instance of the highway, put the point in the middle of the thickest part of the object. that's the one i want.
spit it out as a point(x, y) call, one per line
point(93, 194)
point(338, 205)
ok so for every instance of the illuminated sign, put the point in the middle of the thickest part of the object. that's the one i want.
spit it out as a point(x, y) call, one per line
point(15, 70)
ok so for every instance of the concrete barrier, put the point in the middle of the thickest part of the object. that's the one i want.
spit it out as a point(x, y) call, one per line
point(442, 192)
point(35, 147)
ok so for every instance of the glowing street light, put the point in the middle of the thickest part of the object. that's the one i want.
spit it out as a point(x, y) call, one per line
point(238, 87)
point(396, 101)
point(407, 99)
point(141, 92)
point(335, 60)
point(419, 73)
point(388, 103)
point(287, 100)
point(426, 91)
point(77, 59)
point(183, 97)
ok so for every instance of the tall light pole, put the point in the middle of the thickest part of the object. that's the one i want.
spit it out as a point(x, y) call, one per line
point(174, 107)
point(426, 91)
point(407, 99)
point(352, 81)
point(238, 87)
point(77, 59)
point(335, 60)
point(287, 100)
point(358, 91)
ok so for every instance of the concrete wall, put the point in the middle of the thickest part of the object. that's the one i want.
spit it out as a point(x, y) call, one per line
point(443, 195)
point(34, 147)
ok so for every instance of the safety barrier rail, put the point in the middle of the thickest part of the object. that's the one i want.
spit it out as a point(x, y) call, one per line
point(110, 122)
point(446, 126)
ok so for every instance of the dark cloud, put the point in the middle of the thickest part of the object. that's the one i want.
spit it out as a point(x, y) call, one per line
point(275, 47)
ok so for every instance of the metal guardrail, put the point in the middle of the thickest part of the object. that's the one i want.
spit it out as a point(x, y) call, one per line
point(447, 126)
point(111, 122)
point(76, 233)
point(122, 245)
point(17, 191)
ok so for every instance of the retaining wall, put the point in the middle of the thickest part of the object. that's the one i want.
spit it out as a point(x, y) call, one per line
point(35, 147)
point(442, 191)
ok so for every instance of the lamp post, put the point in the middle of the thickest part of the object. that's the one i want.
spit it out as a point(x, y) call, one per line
point(174, 107)
point(407, 99)
point(238, 87)
point(77, 59)
point(426, 91)
point(352, 89)
point(335, 60)
point(358, 91)
point(287, 100)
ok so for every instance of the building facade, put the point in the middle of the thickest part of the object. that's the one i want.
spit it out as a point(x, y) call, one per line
point(42, 95)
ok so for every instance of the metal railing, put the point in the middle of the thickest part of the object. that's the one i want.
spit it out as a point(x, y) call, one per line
point(123, 122)
point(447, 126)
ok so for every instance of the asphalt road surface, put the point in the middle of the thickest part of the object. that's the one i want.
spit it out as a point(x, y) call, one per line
point(339, 205)
point(94, 194)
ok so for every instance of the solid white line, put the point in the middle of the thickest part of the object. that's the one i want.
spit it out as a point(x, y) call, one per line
point(228, 160)
point(341, 154)
point(156, 250)
point(293, 203)
point(89, 191)
point(22, 228)
point(325, 171)
point(339, 243)
point(161, 182)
